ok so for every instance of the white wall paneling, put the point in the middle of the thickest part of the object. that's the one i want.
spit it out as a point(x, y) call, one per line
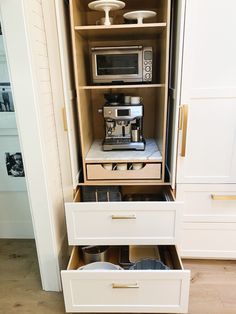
point(15, 217)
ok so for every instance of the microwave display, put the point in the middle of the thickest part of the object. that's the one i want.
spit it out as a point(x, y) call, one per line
point(117, 64)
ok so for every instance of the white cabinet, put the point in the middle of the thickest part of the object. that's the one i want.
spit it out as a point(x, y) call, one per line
point(209, 90)
point(206, 167)
point(209, 220)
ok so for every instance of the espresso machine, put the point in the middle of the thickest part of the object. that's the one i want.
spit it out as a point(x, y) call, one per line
point(123, 126)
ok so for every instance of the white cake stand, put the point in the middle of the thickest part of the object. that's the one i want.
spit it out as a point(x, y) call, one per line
point(139, 15)
point(106, 6)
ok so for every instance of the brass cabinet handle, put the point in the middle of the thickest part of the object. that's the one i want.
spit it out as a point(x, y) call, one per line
point(223, 197)
point(63, 110)
point(123, 217)
point(183, 127)
point(180, 118)
point(125, 286)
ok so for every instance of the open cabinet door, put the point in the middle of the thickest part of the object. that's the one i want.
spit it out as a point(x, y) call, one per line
point(176, 53)
point(69, 110)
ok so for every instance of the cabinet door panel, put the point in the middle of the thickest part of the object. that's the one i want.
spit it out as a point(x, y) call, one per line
point(209, 90)
point(211, 143)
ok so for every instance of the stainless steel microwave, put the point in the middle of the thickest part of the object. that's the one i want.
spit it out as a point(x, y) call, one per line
point(122, 64)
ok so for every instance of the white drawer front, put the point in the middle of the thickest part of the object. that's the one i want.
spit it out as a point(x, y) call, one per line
point(121, 223)
point(159, 291)
point(208, 240)
point(208, 203)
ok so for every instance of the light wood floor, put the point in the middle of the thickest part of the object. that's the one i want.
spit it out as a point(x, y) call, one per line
point(213, 284)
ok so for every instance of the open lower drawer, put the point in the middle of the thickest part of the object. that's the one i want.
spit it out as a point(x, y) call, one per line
point(129, 291)
point(124, 222)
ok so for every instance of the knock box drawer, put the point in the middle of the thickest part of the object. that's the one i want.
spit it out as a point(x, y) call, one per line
point(129, 291)
point(98, 172)
point(117, 223)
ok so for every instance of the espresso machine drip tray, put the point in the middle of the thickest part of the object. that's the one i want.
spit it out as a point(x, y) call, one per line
point(122, 143)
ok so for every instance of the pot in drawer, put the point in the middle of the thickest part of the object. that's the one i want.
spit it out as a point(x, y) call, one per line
point(120, 223)
point(100, 172)
point(129, 291)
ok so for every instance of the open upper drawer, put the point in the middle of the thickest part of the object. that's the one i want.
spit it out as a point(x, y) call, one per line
point(128, 221)
point(129, 291)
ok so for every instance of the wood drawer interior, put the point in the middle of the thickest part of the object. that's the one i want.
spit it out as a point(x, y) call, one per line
point(127, 193)
point(148, 171)
point(168, 255)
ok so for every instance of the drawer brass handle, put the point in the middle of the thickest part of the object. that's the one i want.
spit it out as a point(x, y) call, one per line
point(183, 127)
point(223, 197)
point(123, 217)
point(125, 286)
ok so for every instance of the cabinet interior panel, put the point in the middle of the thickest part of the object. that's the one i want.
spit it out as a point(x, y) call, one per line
point(150, 101)
point(160, 125)
point(82, 59)
point(85, 120)
point(84, 16)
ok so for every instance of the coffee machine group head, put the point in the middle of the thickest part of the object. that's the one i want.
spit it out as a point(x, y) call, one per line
point(123, 127)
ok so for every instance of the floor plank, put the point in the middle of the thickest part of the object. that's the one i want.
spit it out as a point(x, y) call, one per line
point(213, 286)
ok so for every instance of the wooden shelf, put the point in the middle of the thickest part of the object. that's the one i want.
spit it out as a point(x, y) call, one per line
point(105, 87)
point(121, 31)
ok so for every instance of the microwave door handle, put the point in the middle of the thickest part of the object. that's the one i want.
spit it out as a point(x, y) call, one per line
point(117, 48)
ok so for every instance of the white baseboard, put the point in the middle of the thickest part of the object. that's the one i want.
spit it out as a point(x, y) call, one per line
point(16, 230)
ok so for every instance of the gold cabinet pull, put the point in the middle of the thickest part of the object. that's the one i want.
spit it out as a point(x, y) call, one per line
point(183, 127)
point(125, 286)
point(216, 197)
point(63, 110)
point(123, 216)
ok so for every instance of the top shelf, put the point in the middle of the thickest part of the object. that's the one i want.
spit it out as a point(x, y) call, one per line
point(127, 31)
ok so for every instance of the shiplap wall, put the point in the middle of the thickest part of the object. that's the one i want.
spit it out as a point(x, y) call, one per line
point(47, 118)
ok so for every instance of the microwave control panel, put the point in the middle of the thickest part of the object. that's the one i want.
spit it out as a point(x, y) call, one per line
point(147, 64)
